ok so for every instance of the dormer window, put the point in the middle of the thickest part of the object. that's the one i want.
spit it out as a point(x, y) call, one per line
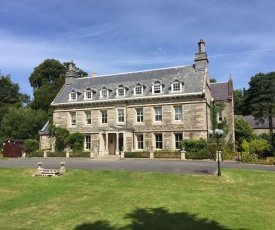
point(138, 90)
point(121, 91)
point(157, 88)
point(73, 96)
point(176, 86)
point(104, 93)
point(88, 94)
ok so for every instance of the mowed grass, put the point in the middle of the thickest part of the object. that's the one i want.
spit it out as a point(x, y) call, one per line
point(89, 199)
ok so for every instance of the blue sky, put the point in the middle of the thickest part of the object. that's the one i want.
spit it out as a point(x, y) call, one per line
point(118, 36)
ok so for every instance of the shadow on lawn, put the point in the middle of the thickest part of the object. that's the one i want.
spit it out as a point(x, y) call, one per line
point(155, 219)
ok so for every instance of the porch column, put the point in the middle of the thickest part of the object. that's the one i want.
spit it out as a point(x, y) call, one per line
point(124, 141)
point(101, 141)
point(106, 144)
point(117, 143)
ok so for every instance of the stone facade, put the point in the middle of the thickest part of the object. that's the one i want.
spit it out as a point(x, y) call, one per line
point(138, 111)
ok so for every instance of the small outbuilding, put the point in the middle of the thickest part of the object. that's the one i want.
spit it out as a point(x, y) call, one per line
point(13, 148)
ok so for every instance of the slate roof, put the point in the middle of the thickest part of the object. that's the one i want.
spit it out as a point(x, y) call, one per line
point(220, 91)
point(255, 124)
point(193, 81)
point(45, 130)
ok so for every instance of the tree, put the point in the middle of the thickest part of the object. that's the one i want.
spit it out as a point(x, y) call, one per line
point(10, 95)
point(238, 96)
point(22, 123)
point(259, 99)
point(46, 80)
point(243, 131)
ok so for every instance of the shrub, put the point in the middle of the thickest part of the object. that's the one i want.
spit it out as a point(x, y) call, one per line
point(211, 150)
point(194, 145)
point(136, 154)
point(202, 154)
point(270, 160)
point(77, 141)
point(37, 153)
point(250, 158)
point(56, 154)
point(30, 146)
point(259, 146)
point(80, 154)
point(167, 154)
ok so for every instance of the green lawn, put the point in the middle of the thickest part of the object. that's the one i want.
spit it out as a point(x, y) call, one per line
point(88, 199)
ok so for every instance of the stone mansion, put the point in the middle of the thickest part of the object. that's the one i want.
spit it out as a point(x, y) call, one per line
point(140, 110)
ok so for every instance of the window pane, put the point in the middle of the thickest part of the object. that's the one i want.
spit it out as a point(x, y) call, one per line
point(88, 95)
point(178, 139)
point(87, 142)
point(73, 96)
point(120, 92)
point(140, 115)
point(88, 118)
point(104, 117)
point(158, 114)
point(157, 88)
point(138, 89)
point(73, 119)
point(176, 86)
point(140, 141)
point(158, 138)
point(120, 115)
point(104, 93)
point(178, 113)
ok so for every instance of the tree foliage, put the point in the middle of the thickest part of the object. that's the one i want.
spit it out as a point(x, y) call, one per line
point(243, 131)
point(76, 140)
point(238, 95)
point(22, 123)
point(30, 145)
point(259, 99)
point(46, 80)
point(259, 147)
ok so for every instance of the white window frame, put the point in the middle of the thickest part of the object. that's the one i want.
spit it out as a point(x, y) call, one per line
point(139, 116)
point(104, 117)
point(179, 89)
point(158, 141)
point(104, 96)
point(87, 142)
point(177, 113)
point(73, 96)
point(157, 88)
point(120, 92)
point(138, 92)
point(88, 116)
point(140, 141)
point(178, 140)
point(158, 114)
point(88, 95)
point(220, 116)
point(73, 118)
point(120, 115)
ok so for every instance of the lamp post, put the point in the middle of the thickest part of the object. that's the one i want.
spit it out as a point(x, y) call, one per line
point(218, 134)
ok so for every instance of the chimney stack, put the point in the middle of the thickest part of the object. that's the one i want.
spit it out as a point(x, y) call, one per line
point(201, 60)
point(70, 73)
point(94, 74)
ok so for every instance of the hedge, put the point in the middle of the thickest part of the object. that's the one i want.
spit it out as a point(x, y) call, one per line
point(136, 154)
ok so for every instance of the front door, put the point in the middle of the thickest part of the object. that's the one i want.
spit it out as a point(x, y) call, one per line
point(112, 143)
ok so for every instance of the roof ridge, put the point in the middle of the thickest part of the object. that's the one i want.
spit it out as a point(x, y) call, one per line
point(140, 71)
